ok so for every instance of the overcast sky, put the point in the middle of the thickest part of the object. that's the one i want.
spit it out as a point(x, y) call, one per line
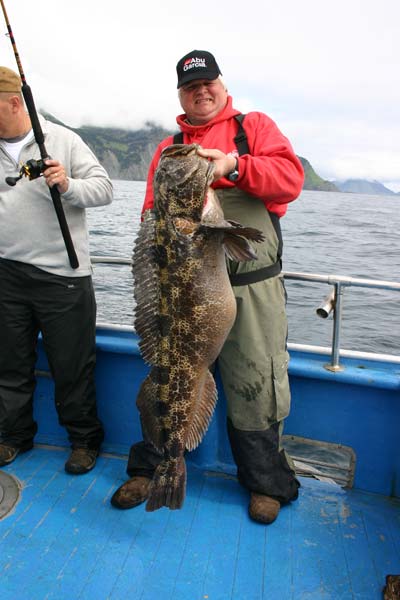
point(326, 71)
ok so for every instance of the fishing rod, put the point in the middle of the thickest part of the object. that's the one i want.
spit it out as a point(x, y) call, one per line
point(33, 168)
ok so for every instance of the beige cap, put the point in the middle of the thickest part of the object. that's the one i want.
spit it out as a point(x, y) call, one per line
point(9, 81)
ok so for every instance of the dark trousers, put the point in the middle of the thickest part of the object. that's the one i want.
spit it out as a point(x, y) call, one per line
point(261, 465)
point(63, 309)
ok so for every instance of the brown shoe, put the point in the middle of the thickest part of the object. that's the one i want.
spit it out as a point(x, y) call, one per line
point(81, 460)
point(391, 591)
point(131, 493)
point(9, 453)
point(263, 509)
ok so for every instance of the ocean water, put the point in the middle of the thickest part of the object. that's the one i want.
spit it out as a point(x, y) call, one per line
point(324, 232)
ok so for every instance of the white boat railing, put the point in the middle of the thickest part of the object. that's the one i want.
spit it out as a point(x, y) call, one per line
point(333, 303)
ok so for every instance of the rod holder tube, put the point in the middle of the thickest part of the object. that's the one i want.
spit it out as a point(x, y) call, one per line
point(327, 306)
point(337, 321)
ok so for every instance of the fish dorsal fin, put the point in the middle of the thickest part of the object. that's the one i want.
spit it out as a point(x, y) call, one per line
point(203, 413)
point(146, 288)
point(149, 408)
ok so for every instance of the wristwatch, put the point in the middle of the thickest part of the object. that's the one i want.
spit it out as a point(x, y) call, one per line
point(233, 175)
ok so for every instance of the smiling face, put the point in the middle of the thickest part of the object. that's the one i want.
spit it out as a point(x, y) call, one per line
point(203, 99)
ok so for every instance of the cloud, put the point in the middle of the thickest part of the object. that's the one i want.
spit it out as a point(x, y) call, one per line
point(326, 73)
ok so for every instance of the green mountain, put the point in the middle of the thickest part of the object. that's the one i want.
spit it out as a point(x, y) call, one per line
point(126, 154)
point(313, 181)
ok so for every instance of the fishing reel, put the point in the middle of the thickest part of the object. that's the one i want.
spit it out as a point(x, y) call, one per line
point(31, 169)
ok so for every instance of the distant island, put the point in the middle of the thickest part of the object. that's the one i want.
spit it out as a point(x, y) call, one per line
point(361, 186)
point(126, 155)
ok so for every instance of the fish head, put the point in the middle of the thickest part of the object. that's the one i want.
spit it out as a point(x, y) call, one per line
point(181, 182)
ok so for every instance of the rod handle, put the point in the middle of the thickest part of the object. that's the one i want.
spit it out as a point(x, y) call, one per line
point(55, 194)
point(73, 259)
point(30, 105)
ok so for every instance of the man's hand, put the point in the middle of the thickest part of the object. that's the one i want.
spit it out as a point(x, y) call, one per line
point(55, 175)
point(224, 163)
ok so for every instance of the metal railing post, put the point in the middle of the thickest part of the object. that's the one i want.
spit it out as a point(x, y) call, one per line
point(337, 322)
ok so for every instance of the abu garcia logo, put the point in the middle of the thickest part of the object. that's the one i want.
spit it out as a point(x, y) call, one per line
point(194, 63)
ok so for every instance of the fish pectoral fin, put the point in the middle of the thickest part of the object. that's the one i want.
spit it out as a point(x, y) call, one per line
point(238, 248)
point(203, 413)
point(235, 238)
point(148, 406)
point(250, 233)
point(232, 228)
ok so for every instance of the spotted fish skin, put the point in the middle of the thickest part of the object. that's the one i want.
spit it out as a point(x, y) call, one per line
point(185, 309)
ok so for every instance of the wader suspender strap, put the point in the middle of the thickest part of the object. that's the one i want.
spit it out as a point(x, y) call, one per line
point(178, 138)
point(266, 272)
point(240, 138)
point(272, 270)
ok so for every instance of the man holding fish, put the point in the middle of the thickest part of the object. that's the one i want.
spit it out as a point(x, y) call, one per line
point(255, 175)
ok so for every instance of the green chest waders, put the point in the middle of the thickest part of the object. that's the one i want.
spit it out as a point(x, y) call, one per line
point(253, 361)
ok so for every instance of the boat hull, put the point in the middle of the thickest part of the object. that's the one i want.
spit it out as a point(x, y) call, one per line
point(358, 407)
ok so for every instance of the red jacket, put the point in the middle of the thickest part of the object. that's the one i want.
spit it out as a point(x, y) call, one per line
point(271, 171)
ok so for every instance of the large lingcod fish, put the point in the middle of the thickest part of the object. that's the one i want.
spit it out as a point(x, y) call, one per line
point(185, 309)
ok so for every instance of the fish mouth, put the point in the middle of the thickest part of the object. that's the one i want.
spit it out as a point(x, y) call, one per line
point(210, 173)
point(176, 150)
point(209, 178)
point(180, 150)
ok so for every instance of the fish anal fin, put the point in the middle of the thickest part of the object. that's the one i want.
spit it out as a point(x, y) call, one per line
point(203, 413)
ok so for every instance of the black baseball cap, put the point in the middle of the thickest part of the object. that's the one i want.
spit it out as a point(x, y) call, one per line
point(197, 64)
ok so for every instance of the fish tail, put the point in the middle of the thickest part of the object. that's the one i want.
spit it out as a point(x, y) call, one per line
point(168, 487)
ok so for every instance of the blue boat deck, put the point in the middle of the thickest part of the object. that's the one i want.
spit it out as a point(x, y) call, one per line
point(64, 541)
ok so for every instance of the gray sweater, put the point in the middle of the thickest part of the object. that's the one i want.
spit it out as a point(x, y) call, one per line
point(29, 229)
